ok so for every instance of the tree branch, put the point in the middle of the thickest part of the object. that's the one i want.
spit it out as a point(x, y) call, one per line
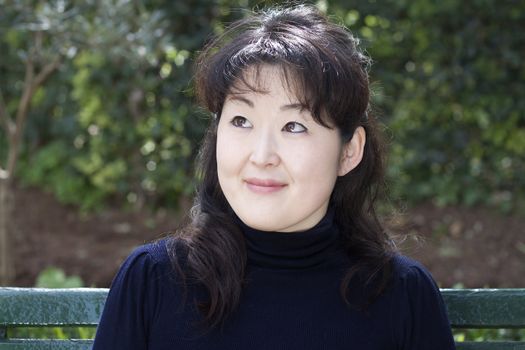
point(5, 118)
point(46, 72)
point(21, 114)
point(31, 83)
point(23, 104)
point(9, 126)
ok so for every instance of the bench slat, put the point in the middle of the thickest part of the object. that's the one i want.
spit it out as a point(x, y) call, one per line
point(22, 344)
point(30, 344)
point(495, 345)
point(485, 308)
point(51, 307)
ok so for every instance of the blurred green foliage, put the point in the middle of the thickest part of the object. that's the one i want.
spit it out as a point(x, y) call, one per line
point(451, 85)
point(489, 334)
point(117, 122)
point(53, 277)
point(52, 333)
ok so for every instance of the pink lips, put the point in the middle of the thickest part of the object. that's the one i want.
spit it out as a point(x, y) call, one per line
point(264, 186)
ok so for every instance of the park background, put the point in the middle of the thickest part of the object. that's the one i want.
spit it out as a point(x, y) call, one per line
point(98, 130)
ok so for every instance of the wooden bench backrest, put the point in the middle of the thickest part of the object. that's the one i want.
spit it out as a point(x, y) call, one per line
point(486, 308)
point(34, 307)
point(467, 308)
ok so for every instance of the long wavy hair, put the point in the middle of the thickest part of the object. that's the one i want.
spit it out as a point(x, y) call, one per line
point(330, 77)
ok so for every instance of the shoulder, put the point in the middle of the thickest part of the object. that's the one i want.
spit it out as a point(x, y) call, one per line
point(417, 312)
point(154, 254)
point(142, 289)
point(150, 260)
point(412, 283)
point(407, 269)
point(146, 277)
point(411, 280)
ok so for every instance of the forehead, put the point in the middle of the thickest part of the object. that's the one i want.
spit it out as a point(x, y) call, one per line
point(265, 79)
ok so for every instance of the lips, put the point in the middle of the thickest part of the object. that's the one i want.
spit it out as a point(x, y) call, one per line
point(264, 185)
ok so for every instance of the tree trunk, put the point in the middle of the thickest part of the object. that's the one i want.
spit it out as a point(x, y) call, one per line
point(14, 131)
point(7, 270)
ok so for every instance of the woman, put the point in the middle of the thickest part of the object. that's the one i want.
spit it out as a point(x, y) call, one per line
point(284, 249)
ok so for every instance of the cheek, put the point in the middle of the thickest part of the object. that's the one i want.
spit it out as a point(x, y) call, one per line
point(314, 175)
point(224, 166)
point(227, 153)
point(222, 155)
point(316, 163)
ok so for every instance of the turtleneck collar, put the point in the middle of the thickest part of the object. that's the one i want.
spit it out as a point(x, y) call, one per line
point(293, 250)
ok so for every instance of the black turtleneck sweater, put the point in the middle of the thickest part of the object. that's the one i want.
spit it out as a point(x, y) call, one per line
point(291, 300)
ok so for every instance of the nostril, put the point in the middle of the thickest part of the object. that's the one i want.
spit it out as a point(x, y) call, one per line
point(264, 157)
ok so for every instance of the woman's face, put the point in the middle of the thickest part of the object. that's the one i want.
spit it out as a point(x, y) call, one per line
point(277, 167)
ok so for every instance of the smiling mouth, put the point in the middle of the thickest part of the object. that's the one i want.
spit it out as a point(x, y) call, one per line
point(264, 186)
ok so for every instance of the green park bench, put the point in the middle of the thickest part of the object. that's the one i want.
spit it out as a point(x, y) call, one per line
point(34, 307)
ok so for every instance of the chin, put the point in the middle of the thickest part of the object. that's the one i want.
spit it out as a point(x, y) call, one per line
point(261, 226)
point(261, 223)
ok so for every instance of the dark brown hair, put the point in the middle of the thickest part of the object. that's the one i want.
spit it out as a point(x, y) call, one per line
point(330, 75)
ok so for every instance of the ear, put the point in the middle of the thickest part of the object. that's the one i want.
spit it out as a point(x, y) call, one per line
point(352, 152)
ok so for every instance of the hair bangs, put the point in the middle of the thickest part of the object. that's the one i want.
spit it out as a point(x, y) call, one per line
point(321, 66)
point(310, 77)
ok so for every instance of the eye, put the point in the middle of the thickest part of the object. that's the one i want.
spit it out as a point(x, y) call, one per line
point(294, 127)
point(240, 122)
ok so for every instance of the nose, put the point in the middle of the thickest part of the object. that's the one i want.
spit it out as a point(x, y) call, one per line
point(264, 151)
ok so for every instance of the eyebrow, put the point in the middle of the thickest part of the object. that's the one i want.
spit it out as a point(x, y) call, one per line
point(241, 99)
point(297, 106)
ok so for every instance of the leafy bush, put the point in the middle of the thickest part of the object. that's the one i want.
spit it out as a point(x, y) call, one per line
point(450, 81)
point(118, 120)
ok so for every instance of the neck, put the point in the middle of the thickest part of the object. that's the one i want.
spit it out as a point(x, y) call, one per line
point(296, 250)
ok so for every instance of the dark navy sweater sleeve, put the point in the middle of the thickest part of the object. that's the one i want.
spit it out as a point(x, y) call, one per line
point(420, 313)
point(131, 304)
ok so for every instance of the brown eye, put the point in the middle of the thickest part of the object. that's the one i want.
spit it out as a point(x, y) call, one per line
point(294, 127)
point(240, 122)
